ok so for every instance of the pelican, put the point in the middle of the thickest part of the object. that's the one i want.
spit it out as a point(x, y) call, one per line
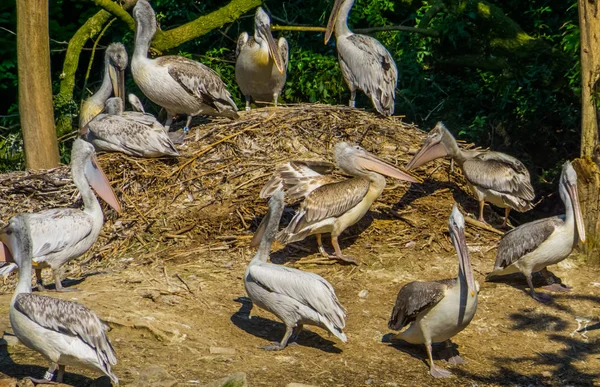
point(178, 84)
point(62, 234)
point(132, 133)
point(64, 332)
point(296, 297)
point(135, 103)
point(365, 63)
point(261, 65)
point(533, 246)
point(115, 62)
point(331, 206)
point(438, 310)
point(492, 176)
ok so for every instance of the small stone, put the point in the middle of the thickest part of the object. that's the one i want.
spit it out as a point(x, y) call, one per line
point(410, 244)
point(363, 293)
point(222, 351)
point(234, 380)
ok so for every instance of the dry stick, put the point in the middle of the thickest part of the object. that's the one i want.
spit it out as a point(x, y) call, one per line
point(185, 283)
point(422, 31)
point(481, 225)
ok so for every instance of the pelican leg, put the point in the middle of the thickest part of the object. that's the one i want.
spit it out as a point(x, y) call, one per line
point(58, 285)
point(448, 354)
point(186, 128)
point(248, 103)
point(435, 371)
point(540, 297)
point(338, 252)
point(61, 373)
point(39, 282)
point(168, 122)
point(275, 97)
point(481, 205)
point(279, 346)
point(296, 332)
point(554, 283)
point(320, 246)
point(352, 102)
point(506, 211)
point(47, 377)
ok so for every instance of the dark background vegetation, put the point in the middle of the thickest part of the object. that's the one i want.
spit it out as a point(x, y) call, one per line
point(526, 104)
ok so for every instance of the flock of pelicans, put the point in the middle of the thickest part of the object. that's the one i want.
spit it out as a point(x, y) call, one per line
point(67, 333)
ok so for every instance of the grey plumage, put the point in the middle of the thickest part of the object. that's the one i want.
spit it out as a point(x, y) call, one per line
point(414, 298)
point(298, 178)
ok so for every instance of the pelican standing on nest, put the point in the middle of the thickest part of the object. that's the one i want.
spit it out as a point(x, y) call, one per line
point(365, 63)
point(331, 206)
point(132, 133)
point(296, 297)
point(533, 246)
point(261, 64)
point(178, 84)
point(64, 332)
point(492, 176)
point(439, 310)
point(62, 234)
point(115, 62)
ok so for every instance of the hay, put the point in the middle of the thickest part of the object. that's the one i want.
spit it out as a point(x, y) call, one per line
point(207, 199)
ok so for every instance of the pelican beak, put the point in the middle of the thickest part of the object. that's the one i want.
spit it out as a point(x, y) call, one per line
point(430, 150)
point(332, 19)
point(265, 31)
point(117, 78)
point(5, 248)
point(260, 231)
point(457, 234)
point(100, 184)
point(375, 164)
point(572, 190)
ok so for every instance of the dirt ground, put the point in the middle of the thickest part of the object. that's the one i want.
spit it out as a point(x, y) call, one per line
point(179, 301)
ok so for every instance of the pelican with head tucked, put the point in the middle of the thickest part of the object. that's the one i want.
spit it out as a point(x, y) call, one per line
point(115, 62)
point(331, 206)
point(261, 65)
point(64, 332)
point(438, 310)
point(492, 176)
point(365, 63)
point(178, 84)
point(296, 297)
point(533, 246)
point(132, 133)
point(62, 234)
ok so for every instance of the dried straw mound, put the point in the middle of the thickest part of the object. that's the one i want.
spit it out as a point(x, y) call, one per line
point(208, 197)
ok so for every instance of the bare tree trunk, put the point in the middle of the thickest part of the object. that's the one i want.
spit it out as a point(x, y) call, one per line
point(587, 170)
point(35, 87)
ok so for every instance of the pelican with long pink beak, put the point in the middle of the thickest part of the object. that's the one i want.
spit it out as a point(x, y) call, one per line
point(62, 234)
point(331, 206)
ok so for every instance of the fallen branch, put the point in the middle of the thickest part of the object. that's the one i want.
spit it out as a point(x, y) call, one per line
point(422, 31)
point(481, 225)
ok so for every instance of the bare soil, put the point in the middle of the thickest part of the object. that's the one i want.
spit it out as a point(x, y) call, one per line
point(167, 274)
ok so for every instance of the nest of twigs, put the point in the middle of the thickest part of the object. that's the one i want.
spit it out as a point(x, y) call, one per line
point(207, 198)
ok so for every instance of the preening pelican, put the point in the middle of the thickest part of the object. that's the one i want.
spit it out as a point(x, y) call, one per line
point(135, 103)
point(533, 246)
point(132, 133)
point(261, 65)
point(331, 206)
point(492, 176)
point(62, 234)
point(178, 84)
point(296, 297)
point(365, 63)
point(64, 332)
point(115, 62)
point(438, 310)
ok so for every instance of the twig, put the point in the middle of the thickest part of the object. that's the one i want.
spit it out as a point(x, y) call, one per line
point(481, 225)
point(185, 283)
point(426, 32)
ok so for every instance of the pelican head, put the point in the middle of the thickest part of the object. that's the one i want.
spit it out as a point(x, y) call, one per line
point(439, 143)
point(15, 244)
point(135, 103)
point(83, 156)
point(568, 181)
point(335, 12)
point(262, 34)
point(114, 106)
point(356, 161)
point(115, 60)
point(457, 234)
point(145, 22)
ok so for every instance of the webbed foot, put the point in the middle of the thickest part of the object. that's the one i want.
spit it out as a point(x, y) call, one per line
point(542, 297)
point(274, 346)
point(558, 288)
point(438, 372)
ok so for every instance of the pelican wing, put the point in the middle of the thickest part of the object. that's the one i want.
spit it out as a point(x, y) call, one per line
point(198, 80)
point(298, 178)
point(284, 51)
point(307, 288)
point(69, 318)
point(416, 297)
point(132, 133)
point(56, 229)
point(241, 42)
point(367, 64)
point(499, 172)
point(522, 240)
point(334, 199)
